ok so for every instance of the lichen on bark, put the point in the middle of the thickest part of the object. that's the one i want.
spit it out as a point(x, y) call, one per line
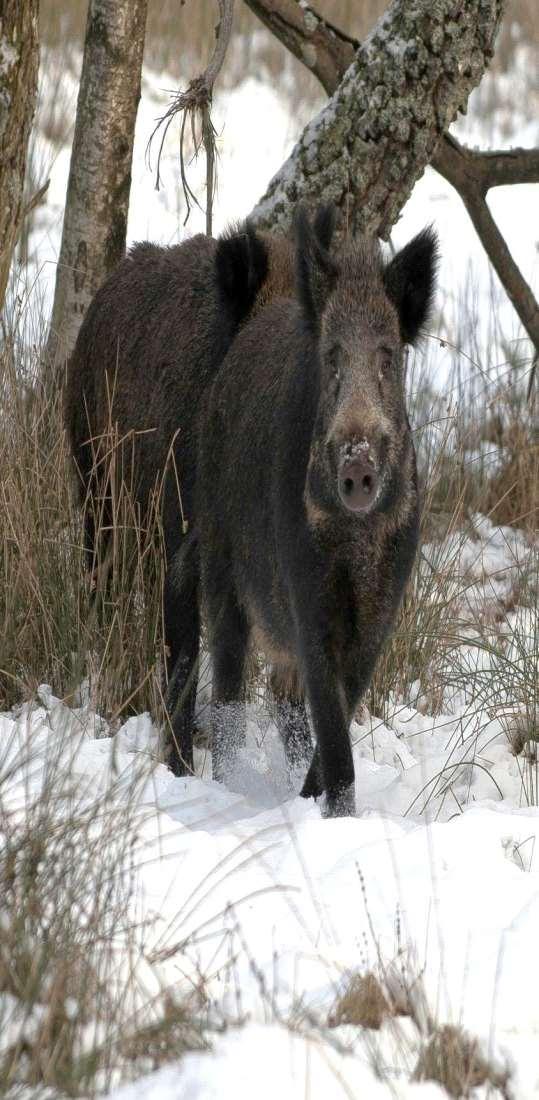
point(373, 139)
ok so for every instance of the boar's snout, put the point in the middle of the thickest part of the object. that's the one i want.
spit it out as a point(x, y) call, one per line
point(358, 481)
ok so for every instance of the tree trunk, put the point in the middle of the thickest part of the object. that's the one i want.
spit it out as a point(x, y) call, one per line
point(95, 219)
point(19, 60)
point(374, 138)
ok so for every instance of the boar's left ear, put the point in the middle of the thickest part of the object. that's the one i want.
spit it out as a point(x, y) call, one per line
point(410, 281)
point(241, 263)
point(316, 269)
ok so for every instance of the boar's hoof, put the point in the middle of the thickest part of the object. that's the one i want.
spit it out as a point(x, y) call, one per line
point(341, 803)
point(313, 786)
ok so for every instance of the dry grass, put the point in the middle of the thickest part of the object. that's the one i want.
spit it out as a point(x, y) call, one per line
point(362, 1003)
point(443, 1053)
point(454, 1060)
point(63, 913)
point(180, 36)
point(52, 625)
point(478, 453)
point(74, 1010)
point(176, 1032)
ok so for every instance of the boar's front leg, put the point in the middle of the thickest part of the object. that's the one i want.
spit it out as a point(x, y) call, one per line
point(332, 761)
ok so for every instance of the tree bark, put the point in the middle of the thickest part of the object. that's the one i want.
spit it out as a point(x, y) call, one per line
point(372, 141)
point(19, 61)
point(95, 219)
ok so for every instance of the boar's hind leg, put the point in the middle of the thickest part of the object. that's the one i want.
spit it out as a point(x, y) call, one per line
point(182, 631)
point(228, 636)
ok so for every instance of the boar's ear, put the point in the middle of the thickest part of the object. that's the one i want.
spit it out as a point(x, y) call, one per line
point(410, 281)
point(316, 270)
point(241, 263)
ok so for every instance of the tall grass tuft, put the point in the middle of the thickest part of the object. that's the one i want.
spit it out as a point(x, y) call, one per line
point(54, 625)
point(77, 1011)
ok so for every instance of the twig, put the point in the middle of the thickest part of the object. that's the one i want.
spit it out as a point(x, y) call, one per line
point(36, 199)
point(321, 46)
point(198, 99)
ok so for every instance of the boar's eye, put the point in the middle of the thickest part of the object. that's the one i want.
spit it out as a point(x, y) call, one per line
point(334, 357)
point(386, 361)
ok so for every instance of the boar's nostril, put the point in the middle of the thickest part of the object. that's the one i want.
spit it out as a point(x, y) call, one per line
point(358, 483)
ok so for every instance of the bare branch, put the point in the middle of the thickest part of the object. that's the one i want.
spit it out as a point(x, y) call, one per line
point(459, 166)
point(322, 47)
point(36, 199)
point(485, 170)
point(197, 98)
point(500, 167)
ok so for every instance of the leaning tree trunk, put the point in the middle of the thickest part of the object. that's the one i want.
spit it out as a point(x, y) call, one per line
point(19, 59)
point(371, 142)
point(95, 219)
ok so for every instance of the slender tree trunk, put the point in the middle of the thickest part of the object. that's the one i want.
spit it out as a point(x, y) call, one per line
point(374, 138)
point(95, 219)
point(19, 60)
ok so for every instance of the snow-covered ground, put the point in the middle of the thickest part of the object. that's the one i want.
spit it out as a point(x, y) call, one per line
point(435, 880)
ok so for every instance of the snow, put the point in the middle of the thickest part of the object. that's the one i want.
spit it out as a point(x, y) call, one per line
point(464, 894)
point(297, 1067)
point(438, 868)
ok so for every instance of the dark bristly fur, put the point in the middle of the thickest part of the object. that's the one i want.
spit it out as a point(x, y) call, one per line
point(147, 352)
point(311, 388)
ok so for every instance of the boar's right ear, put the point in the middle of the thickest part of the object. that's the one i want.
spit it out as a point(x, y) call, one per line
point(410, 281)
point(241, 262)
point(316, 270)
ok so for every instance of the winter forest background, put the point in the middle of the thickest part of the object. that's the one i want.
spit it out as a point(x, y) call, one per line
point(173, 937)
